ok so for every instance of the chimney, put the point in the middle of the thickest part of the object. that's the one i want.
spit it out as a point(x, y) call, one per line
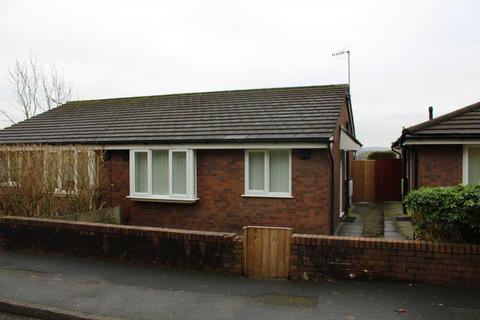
point(430, 113)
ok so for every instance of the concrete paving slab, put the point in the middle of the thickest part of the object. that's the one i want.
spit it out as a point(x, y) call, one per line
point(393, 228)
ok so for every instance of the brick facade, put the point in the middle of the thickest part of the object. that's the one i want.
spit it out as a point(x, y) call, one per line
point(343, 120)
point(220, 186)
point(439, 165)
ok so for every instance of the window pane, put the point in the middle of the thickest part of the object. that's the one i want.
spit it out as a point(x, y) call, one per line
point(160, 172)
point(14, 166)
point(67, 171)
point(83, 178)
point(279, 170)
point(256, 168)
point(474, 165)
point(141, 172)
point(4, 167)
point(52, 170)
point(179, 172)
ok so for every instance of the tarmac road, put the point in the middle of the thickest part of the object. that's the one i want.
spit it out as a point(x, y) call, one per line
point(144, 292)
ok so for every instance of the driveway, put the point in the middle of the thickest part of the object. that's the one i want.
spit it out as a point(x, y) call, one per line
point(143, 292)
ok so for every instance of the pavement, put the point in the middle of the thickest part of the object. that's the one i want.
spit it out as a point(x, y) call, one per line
point(353, 227)
point(395, 226)
point(132, 291)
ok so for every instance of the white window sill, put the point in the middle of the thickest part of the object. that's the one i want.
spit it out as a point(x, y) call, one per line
point(163, 199)
point(267, 195)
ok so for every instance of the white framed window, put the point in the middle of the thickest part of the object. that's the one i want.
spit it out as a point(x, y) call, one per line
point(10, 167)
point(471, 164)
point(268, 173)
point(64, 170)
point(163, 175)
point(72, 169)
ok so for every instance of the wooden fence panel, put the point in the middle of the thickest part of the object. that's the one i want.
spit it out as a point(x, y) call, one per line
point(363, 176)
point(266, 252)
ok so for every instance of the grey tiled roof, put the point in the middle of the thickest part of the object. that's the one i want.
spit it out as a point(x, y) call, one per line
point(464, 121)
point(261, 115)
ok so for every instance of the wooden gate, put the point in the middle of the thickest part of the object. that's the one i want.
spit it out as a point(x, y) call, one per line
point(377, 180)
point(266, 252)
point(388, 180)
point(363, 176)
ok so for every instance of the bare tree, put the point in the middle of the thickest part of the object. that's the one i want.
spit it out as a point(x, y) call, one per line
point(56, 90)
point(35, 90)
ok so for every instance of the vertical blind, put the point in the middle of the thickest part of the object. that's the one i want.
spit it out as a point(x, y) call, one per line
point(279, 170)
point(473, 165)
point(160, 172)
point(179, 172)
point(256, 168)
point(141, 172)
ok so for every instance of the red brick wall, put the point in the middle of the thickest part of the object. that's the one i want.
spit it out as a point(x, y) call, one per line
point(336, 152)
point(312, 256)
point(211, 251)
point(439, 165)
point(315, 257)
point(220, 185)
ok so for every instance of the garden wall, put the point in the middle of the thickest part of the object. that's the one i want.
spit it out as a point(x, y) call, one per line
point(312, 257)
point(315, 257)
point(212, 251)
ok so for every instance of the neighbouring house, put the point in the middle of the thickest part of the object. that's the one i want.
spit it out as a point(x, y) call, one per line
point(442, 151)
point(216, 160)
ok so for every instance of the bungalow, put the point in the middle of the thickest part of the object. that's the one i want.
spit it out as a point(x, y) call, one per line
point(216, 160)
point(442, 151)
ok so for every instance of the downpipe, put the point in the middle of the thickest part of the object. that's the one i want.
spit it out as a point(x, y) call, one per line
point(332, 186)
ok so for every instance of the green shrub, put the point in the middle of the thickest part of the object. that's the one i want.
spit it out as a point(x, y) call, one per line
point(446, 213)
point(380, 155)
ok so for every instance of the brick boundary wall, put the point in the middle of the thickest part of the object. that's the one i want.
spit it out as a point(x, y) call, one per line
point(210, 251)
point(315, 257)
point(312, 257)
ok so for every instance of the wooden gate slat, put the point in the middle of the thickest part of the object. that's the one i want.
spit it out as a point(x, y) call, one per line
point(281, 255)
point(258, 251)
point(363, 176)
point(287, 237)
point(265, 252)
point(273, 257)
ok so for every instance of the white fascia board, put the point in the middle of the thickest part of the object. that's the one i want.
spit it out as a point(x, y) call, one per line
point(68, 147)
point(300, 145)
point(304, 145)
point(440, 142)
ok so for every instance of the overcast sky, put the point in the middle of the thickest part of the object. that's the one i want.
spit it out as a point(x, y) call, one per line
point(406, 55)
